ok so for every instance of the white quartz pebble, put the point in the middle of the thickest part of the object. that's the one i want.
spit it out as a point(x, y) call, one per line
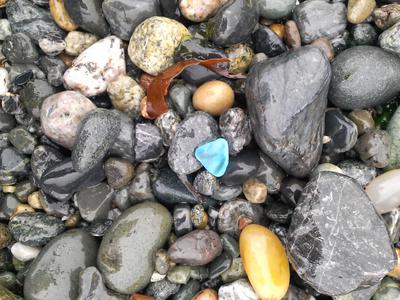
point(4, 81)
point(23, 252)
point(384, 191)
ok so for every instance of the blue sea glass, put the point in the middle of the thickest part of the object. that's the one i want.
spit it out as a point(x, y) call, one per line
point(214, 156)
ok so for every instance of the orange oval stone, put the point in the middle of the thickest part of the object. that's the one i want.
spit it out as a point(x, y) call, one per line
point(279, 30)
point(140, 297)
point(265, 262)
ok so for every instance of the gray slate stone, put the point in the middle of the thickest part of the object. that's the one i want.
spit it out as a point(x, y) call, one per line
point(390, 39)
point(320, 18)
point(337, 242)
point(197, 129)
point(55, 272)
point(364, 76)
point(275, 9)
point(287, 114)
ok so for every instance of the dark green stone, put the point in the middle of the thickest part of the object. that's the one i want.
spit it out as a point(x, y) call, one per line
point(21, 139)
point(35, 229)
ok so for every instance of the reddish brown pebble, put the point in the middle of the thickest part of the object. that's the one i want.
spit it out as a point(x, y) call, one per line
point(243, 222)
point(325, 45)
point(119, 172)
point(292, 35)
point(141, 297)
point(207, 294)
point(279, 30)
point(67, 59)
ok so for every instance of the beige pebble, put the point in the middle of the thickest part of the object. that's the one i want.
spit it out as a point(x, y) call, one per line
point(77, 42)
point(213, 97)
point(359, 10)
point(207, 294)
point(363, 120)
point(22, 208)
point(325, 45)
point(9, 189)
point(72, 221)
point(34, 200)
point(255, 191)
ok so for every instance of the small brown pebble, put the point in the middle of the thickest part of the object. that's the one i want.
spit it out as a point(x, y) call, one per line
point(5, 236)
point(255, 191)
point(363, 119)
point(76, 42)
point(34, 200)
point(199, 217)
point(119, 172)
point(141, 297)
point(72, 221)
point(213, 97)
point(292, 35)
point(21, 208)
point(207, 294)
point(279, 30)
point(67, 59)
point(3, 3)
point(243, 222)
point(60, 15)
point(325, 45)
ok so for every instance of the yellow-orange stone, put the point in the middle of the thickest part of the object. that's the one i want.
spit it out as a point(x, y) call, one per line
point(61, 16)
point(213, 97)
point(265, 262)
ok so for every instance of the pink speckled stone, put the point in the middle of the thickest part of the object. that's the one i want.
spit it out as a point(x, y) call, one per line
point(61, 115)
point(95, 67)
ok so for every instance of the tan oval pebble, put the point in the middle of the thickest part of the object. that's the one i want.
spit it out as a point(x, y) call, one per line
point(359, 10)
point(207, 294)
point(77, 42)
point(363, 119)
point(34, 200)
point(72, 221)
point(255, 191)
point(292, 35)
point(386, 15)
point(213, 97)
point(60, 15)
point(325, 45)
point(22, 208)
point(3, 3)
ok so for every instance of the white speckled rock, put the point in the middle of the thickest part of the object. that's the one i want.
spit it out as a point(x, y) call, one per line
point(77, 41)
point(23, 252)
point(4, 81)
point(153, 43)
point(239, 289)
point(95, 67)
point(61, 115)
point(198, 11)
point(384, 191)
point(52, 47)
point(5, 29)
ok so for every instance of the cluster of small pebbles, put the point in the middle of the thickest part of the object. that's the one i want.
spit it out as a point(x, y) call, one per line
point(277, 178)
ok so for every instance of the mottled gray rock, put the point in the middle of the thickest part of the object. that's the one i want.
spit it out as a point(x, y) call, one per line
point(270, 174)
point(98, 131)
point(124, 15)
point(149, 142)
point(364, 76)
point(161, 290)
point(235, 128)
point(337, 242)
point(393, 130)
point(91, 286)
point(239, 289)
point(320, 18)
point(55, 272)
point(288, 119)
point(32, 20)
point(390, 39)
point(35, 229)
point(54, 69)
point(130, 245)
point(227, 30)
point(19, 48)
point(124, 145)
point(275, 9)
point(197, 129)
point(359, 294)
point(358, 170)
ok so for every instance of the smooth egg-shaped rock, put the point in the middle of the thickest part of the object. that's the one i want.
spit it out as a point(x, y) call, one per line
point(125, 257)
point(197, 248)
point(364, 76)
point(55, 272)
point(61, 115)
point(265, 262)
point(384, 191)
point(90, 72)
point(154, 42)
point(213, 97)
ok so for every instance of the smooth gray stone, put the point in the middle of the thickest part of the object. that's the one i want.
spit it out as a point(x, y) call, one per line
point(320, 18)
point(337, 242)
point(124, 15)
point(364, 76)
point(287, 114)
point(125, 257)
point(54, 274)
point(275, 9)
point(390, 39)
